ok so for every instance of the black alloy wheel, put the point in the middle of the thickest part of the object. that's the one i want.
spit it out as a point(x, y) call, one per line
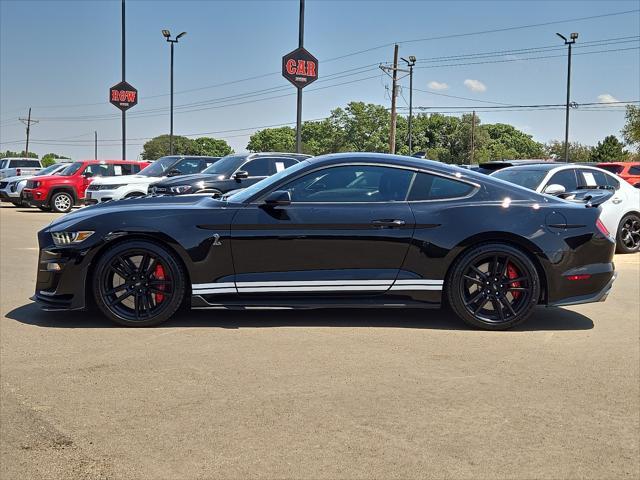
point(628, 238)
point(493, 286)
point(138, 283)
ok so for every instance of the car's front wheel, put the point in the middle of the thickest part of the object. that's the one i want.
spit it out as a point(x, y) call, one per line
point(628, 235)
point(493, 286)
point(61, 202)
point(138, 283)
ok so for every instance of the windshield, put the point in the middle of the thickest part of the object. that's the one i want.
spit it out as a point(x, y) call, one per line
point(159, 167)
point(611, 168)
point(71, 169)
point(225, 165)
point(528, 178)
point(48, 170)
point(243, 195)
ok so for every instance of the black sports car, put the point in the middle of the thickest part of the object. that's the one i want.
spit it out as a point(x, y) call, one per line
point(344, 230)
point(229, 173)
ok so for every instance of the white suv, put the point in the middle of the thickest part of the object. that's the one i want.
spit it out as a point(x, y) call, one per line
point(11, 187)
point(128, 186)
point(11, 167)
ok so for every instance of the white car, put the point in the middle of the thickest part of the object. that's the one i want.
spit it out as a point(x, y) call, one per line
point(620, 213)
point(11, 187)
point(12, 167)
point(127, 186)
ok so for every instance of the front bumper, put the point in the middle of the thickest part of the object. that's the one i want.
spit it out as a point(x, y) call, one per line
point(92, 197)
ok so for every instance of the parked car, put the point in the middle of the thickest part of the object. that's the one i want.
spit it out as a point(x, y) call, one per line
point(230, 173)
point(11, 187)
point(629, 171)
point(12, 167)
point(62, 191)
point(620, 214)
point(495, 165)
point(366, 230)
point(107, 189)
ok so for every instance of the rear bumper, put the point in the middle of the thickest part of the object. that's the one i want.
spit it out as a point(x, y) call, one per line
point(599, 296)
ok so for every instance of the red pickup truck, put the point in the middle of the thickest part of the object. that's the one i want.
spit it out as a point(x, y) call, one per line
point(60, 192)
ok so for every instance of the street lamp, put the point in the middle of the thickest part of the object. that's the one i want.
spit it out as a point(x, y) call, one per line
point(573, 37)
point(410, 63)
point(166, 34)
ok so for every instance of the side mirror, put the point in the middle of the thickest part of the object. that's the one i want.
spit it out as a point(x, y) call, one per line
point(278, 198)
point(554, 189)
point(174, 172)
point(240, 174)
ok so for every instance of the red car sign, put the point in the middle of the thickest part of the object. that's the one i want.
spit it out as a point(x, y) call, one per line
point(300, 67)
point(123, 96)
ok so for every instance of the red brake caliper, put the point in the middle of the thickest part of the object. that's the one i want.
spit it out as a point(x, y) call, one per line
point(159, 274)
point(513, 273)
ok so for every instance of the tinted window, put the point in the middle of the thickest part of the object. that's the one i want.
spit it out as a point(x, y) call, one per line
point(98, 170)
point(592, 178)
point(3, 163)
point(71, 169)
point(260, 167)
point(279, 164)
point(528, 178)
point(566, 178)
point(611, 168)
point(634, 171)
point(26, 163)
point(159, 167)
point(356, 183)
point(434, 187)
point(123, 169)
point(188, 166)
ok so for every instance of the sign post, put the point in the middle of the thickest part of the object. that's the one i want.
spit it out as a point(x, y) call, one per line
point(301, 69)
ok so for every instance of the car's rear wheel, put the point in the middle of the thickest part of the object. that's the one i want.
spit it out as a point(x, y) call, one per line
point(61, 202)
point(138, 283)
point(628, 235)
point(493, 286)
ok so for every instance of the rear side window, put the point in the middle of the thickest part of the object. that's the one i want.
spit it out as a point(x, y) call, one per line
point(593, 178)
point(612, 182)
point(566, 178)
point(611, 168)
point(279, 164)
point(260, 167)
point(435, 187)
point(634, 170)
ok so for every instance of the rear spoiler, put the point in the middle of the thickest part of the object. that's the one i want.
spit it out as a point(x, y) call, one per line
point(592, 198)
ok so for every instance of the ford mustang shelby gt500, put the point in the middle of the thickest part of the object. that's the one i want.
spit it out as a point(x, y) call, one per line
point(344, 230)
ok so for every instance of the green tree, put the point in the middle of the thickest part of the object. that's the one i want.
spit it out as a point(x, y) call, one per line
point(577, 152)
point(631, 129)
point(507, 142)
point(322, 137)
point(9, 153)
point(50, 159)
point(364, 127)
point(609, 150)
point(282, 139)
point(211, 147)
point(159, 147)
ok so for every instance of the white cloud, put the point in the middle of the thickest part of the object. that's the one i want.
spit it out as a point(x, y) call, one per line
point(607, 98)
point(475, 85)
point(434, 85)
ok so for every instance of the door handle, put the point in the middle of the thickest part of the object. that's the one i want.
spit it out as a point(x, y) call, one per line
point(388, 223)
point(616, 200)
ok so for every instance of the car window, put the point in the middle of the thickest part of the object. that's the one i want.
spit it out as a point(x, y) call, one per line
point(279, 164)
point(98, 170)
point(352, 183)
point(26, 163)
point(3, 163)
point(71, 169)
point(592, 178)
point(260, 167)
point(188, 166)
point(528, 178)
point(634, 170)
point(611, 168)
point(566, 178)
point(434, 187)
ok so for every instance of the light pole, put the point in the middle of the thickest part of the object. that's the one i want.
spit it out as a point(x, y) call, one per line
point(166, 34)
point(410, 63)
point(574, 37)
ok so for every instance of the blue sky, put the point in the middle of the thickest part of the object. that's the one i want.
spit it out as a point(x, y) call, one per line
point(60, 57)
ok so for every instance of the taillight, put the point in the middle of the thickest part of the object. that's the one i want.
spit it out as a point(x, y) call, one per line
point(584, 276)
point(603, 230)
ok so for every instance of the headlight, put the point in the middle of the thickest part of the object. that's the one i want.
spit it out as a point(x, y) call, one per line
point(67, 238)
point(111, 187)
point(180, 189)
point(36, 184)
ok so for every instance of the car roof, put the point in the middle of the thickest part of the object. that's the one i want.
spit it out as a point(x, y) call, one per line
point(109, 161)
point(621, 164)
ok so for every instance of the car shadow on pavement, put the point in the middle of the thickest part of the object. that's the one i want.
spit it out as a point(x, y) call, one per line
point(543, 319)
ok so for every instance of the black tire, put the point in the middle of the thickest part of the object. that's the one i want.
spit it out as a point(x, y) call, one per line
point(61, 202)
point(127, 286)
point(512, 290)
point(628, 234)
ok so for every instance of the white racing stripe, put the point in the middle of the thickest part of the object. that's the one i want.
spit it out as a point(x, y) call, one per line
point(316, 286)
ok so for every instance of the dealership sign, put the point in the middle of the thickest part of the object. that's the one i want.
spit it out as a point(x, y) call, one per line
point(123, 96)
point(300, 67)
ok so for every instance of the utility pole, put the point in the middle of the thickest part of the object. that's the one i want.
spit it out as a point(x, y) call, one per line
point(299, 104)
point(410, 63)
point(569, 43)
point(166, 34)
point(95, 144)
point(27, 121)
point(473, 136)
point(394, 93)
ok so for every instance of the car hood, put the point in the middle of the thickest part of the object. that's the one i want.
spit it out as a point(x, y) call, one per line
point(17, 178)
point(147, 205)
point(188, 179)
point(126, 179)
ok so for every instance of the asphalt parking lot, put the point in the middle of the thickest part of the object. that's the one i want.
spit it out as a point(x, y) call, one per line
point(321, 394)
